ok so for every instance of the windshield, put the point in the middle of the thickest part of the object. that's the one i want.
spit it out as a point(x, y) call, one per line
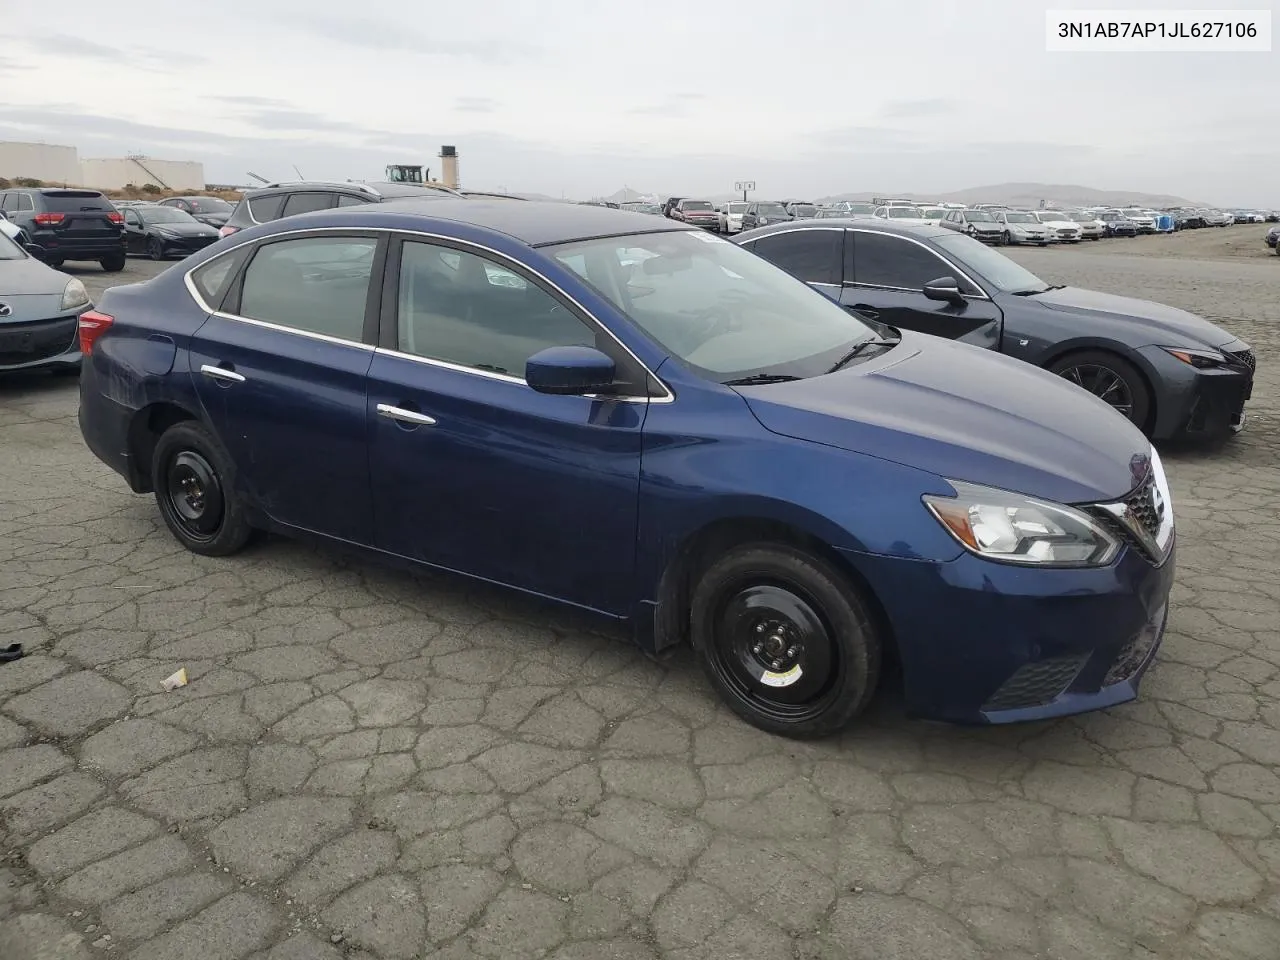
point(721, 310)
point(903, 213)
point(933, 213)
point(209, 205)
point(1083, 217)
point(803, 209)
point(1048, 216)
point(995, 268)
point(1132, 212)
point(772, 210)
point(978, 216)
point(695, 205)
point(10, 250)
point(1019, 218)
point(736, 206)
point(165, 215)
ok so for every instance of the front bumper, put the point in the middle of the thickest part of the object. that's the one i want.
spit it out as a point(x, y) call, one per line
point(985, 642)
point(41, 343)
point(183, 246)
point(1194, 404)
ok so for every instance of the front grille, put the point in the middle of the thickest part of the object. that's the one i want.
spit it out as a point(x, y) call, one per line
point(1144, 508)
point(29, 342)
point(1243, 358)
point(1142, 503)
point(1034, 684)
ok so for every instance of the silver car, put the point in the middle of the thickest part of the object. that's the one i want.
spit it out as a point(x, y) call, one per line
point(1022, 227)
point(1091, 228)
point(39, 311)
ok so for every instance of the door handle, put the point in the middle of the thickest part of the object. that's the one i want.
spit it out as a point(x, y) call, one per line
point(405, 416)
point(221, 373)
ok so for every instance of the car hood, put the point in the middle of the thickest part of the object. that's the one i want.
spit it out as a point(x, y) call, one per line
point(30, 277)
point(963, 413)
point(1169, 326)
point(185, 229)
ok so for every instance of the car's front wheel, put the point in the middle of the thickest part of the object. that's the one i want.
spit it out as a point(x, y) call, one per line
point(155, 249)
point(785, 639)
point(1111, 379)
point(1006, 238)
point(193, 479)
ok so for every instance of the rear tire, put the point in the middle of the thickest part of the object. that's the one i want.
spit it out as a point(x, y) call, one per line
point(113, 264)
point(194, 482)
point(785, 639)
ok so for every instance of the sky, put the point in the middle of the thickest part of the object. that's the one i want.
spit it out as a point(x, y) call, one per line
point(566, 97)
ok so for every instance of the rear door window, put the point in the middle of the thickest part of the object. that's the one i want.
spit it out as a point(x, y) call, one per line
point(9, 202)
point(76, 201)
point(345, 200)
point(312, 284)
point(307, 202)
point(213, 279)
point(809, 255)
point(265, 209)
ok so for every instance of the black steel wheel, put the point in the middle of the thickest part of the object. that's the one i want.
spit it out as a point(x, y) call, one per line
point(785, 639)
point(192, 477)
point(1111, 379)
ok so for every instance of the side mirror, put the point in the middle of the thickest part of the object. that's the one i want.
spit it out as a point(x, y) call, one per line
point(945, 289)
point(35, 251)
point(569, 371)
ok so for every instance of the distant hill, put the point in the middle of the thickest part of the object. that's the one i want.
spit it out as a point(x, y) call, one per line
point(1030, 195)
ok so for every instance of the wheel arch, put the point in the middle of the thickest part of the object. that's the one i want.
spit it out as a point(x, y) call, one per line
point(1132, 357)
point(145, 429)
point(700, 548)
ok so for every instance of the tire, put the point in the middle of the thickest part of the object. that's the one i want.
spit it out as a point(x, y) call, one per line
point(155, 249)
point(113, 264)
point(56, 262)
point(1044, 243)
point(1006, 238)
point(760, 593)
point(208, 517)
point(1085, 361)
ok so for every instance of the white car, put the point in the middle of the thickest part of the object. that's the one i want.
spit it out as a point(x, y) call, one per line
point(1145, 221)
point(1022, 227)
point(932, 215)
point(1061, 229)
point(731, 216)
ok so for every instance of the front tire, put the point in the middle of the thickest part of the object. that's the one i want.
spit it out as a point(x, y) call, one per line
point(193, 478)
point(1110, 378)
point(786, 640)
point(155, 249)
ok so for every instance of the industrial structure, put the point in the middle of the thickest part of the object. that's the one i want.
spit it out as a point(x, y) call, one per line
point(61, 165)
point(416, 173)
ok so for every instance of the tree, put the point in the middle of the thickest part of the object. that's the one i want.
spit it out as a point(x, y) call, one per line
point(150, 188)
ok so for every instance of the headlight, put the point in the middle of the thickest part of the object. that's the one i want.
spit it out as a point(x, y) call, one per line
point(1011, 528)
point(1200, 359)
point(74, 295)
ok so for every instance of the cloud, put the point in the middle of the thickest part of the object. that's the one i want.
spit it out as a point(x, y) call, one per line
point(131, 55)
point(475, 105)
point(674, 105)
point(856, 138)
point(404, 38)
point(927, 107)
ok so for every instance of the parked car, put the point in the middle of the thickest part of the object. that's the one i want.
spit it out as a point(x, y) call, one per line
point(1116, 224)
point(639, 206)
point(899, 212)
point(731, 216)
point(670, 204)
point(1172, 373)
point(1272, 235)
point(211, 210)
point(162, 232)
point(612, 411)
point(39, 311)
point(979, 224)
point(835, 213)
point(856, 208)
point(802, 211)
point(1189, 219)
point(697, 213)
point(1019, 226)
point(1218, 218)
point(933, 215)
point(12, 230)
point(760, 213)
point(1091, 228)
point(287, 199)
point(1145, 221)
point(68, 224)
point(1061, 228)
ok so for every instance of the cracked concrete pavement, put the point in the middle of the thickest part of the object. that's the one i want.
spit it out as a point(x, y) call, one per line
point(368, 764)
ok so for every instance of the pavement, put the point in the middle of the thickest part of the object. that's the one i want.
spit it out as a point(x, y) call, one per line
point(370, 764)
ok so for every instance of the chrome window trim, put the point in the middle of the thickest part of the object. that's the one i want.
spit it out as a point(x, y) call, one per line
point(668, 394)
point(981, 295)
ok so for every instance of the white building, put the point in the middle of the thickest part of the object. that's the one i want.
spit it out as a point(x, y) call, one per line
point(116, 173)
point(49, 162)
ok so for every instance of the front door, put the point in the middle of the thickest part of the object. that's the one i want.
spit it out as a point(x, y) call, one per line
point(282, 378)
point(884, 282)
point(135, 235)
point(812, 254)
point(474, 471)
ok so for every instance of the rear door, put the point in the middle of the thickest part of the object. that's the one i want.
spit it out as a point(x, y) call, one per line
point(812, 254)
point(281, 370)
point(474, 471)
point(884, 278)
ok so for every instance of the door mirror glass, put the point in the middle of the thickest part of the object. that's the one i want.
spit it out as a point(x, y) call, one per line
point(945, 289)
point(569, 371)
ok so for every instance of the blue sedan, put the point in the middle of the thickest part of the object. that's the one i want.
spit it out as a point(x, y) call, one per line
point(639, 419)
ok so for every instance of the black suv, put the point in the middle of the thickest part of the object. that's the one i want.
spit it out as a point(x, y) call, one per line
point(69, 224)
point(276, 200)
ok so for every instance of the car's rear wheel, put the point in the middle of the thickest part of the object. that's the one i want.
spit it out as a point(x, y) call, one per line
point(785, 639)
point(193, 478)
point(113, 264)
point(1111, 379)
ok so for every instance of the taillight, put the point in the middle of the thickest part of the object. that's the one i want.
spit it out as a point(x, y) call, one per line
point(93, 325)
point(49, 219)
point(115, 217)
point(226, 231)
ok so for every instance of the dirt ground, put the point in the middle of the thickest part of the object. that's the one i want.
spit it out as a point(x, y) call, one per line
point(1210, 243)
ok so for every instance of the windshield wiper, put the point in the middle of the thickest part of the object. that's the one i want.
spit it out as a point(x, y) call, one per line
point(858, 348)
point(760, 378)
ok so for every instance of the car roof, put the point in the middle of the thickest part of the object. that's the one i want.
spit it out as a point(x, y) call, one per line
point(875, 225)
point(534, 222)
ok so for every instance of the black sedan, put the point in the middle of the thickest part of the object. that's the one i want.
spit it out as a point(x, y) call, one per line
point(162, 232)
point(1172, 373)
point(211, 210)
